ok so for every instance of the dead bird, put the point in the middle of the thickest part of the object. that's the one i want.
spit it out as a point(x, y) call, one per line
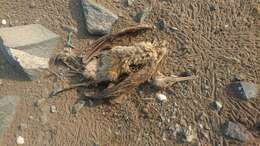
point(123, 67)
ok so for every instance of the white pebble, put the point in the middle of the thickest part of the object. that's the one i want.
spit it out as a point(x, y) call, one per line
point(53, 109)
point(20, 140)
point(226, 26)
point(4, 22)
point(161, 97)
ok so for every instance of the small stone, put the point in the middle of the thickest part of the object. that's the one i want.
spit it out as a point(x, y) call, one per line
point(141, 15)
point(20, 140)
point(226, 26)
point(173, 29)
point(161, 97)
point(128, 2)
point(161, 24)
point(78, 106)
point(216, 105)
point(32, 4)
point(99, 20)
point(234, 131)
point(4, 22)
point(164, 136)
point(53, 109)
point(39, 102)
point(23, 126)
point(244, 90)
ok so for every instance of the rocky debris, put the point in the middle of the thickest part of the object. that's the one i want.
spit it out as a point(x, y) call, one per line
point(99, 20)
point(39, 102)
point(32, 4)
point(20, 140)
point(161, 24)
point(23, 126)
point(33, 39)
point(128, 2)
point(234, 131)
point(4, 22)
point(142, 14)
point(244, 90)
point(78, 106)
point(7, 112)
point(216, 105)
point(161, 97)
point(53, 109)
point(183, 134)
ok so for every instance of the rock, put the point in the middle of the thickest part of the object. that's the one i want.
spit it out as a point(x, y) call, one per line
point(78, 106)
point(32, 4)
point(4, 22)
point(99, 20)
point(216, 105)
point(53, 109)
point(173, 29)
point(244, 90)
point(7, 112)
point(33, 39)
point(183, 134)
point(39, 102)
point(29, 65)
point(23, 126)
point(141, 15)
point(128, 2)
point(20, 140)
point(161, 97)
point(234, 131)
point(161, 24)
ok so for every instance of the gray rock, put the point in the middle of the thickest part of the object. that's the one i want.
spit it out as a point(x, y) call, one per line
point(99, 20)
point(245, 90)
point(33, 39)
point(234, 131)
point(216, 105)
point(161, 24)
point(7, 112)
point(141, 15)
point(31, 66)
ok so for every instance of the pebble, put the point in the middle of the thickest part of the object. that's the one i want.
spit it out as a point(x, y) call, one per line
point(234, 131)
point(23, 126)
point(53, 109)
point(216, 105)
point(161, 24)
point(20, 140)
point(129, 2)
point(4, 22)
point(161, 97)
point(173, 29)
point(244, 90)
point(32, 4)
point(141, 15)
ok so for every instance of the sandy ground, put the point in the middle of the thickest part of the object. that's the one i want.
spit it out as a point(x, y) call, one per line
point(215, 40)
